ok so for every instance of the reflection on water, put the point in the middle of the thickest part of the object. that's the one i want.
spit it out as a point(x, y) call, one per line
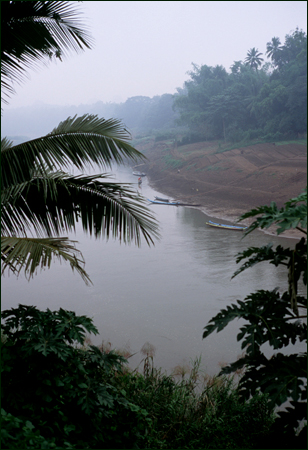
point(164, 295)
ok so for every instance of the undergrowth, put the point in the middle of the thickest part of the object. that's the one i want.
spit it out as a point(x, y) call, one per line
point(60, 391)
point(196, 411)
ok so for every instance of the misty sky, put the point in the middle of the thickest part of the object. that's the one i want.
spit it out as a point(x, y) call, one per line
point(147, 47)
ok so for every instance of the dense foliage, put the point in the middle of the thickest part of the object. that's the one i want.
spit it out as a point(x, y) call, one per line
point(266, 101)
point(59, 393)
point(275, 319)
point(145, 113)
point(60, 389)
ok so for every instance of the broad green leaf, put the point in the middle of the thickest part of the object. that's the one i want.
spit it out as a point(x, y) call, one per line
point(293, 215)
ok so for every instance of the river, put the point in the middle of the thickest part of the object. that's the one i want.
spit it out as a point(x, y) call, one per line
point(163, 295)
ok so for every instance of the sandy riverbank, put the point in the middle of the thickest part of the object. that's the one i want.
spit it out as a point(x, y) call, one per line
point(225, 185)
point(230, 215)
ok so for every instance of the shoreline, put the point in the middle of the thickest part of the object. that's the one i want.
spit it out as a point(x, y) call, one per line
point(230, 215)
point(226, 184)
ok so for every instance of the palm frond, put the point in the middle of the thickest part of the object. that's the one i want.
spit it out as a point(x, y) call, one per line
point(29, 254)
point(32, 31)
point(50, 204)
point(81, 141)
point(33, 198)
point(6, 144)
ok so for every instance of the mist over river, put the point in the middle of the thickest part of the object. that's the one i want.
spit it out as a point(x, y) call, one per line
point(163, 295)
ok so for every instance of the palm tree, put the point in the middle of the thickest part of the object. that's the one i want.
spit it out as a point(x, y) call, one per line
point(273, 50)
point(38, 200)
point(253, 58)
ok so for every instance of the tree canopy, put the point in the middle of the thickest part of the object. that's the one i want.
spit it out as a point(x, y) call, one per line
point(256, 100)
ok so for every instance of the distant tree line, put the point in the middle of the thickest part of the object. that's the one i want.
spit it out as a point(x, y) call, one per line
point(139, 114)
point(255, 100)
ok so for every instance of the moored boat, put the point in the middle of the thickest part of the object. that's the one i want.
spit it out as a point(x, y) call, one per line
point(164, 203)
point(160, 199)
point(225, 226)
point(139, 174)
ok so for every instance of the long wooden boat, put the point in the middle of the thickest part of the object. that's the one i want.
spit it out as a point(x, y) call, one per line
point(139, 174)
point(226, 227)
point(160, 199)
point(164, 203)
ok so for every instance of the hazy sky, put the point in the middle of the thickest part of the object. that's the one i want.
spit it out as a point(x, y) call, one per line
point(147, 47)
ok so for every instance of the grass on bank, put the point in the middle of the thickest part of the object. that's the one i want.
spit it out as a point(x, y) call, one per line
point(196, 411)
point(59, 391)
point(218, 146)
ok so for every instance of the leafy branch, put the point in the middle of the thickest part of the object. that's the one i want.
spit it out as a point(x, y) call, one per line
point(293, 215)
point(273, 318)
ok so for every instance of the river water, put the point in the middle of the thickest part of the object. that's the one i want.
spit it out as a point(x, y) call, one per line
point(163, 295)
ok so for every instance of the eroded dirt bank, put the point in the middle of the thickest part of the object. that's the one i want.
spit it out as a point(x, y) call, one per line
point(224, 184)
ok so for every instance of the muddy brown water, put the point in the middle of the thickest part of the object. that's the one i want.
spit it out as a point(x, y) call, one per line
point(163, 295)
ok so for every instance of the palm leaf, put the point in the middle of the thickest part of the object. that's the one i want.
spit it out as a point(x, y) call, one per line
point(50, 204)
point(81, 141)
point(32, 197)
point(30, 31)
point(6, 144)
point(31, 253)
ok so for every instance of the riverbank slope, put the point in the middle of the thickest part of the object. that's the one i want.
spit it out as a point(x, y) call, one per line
point(224, 182)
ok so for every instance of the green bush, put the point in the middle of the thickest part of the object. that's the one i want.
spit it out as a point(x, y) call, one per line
point(235, 134)
point(272, 137)
point(172, 163)
point(278, 319)
point(63, 389)
point(192, 413)
point(59, 393)
point(16, 433)
point(164, 135)
point(192, 138)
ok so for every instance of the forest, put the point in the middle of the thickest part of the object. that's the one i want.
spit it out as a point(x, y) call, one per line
point(255, 100)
